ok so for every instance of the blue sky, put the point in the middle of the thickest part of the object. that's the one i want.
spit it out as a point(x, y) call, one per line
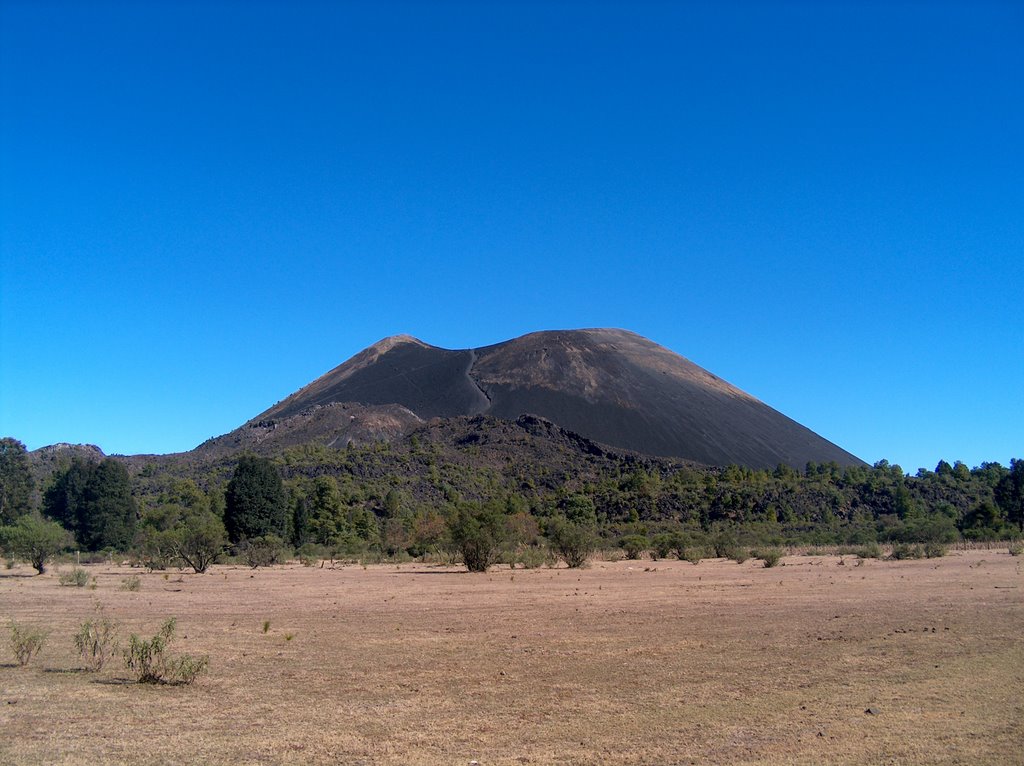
point(204, 206)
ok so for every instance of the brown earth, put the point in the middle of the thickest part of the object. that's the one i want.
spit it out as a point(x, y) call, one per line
point(624, 662)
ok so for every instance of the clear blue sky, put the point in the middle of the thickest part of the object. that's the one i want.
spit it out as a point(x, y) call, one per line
point(204, 206)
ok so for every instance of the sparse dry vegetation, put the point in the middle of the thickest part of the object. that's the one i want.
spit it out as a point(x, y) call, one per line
point(616, 663)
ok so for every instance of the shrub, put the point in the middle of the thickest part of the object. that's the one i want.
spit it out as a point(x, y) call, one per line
point(1016, 549)
point(935, 550)
point(573, 543)
point(96, 641)
point(26, 642)
point(693, 555)
point(869, 551)
point(479, 534)
point(634, 546)
point(133, 583)
point(35, 540)
point(739, 555)
point(724, 544)
point(149, 661)
point(77, 577)
point(663, 544)
point(902, 551)
point(263, 551)
point(771, 557)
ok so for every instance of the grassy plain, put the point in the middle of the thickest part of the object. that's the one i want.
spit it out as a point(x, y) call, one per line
point(624, 662)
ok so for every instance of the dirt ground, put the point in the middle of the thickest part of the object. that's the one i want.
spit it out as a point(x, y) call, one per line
point(621, 663)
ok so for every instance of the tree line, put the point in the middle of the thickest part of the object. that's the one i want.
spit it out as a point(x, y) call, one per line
point(375, 499)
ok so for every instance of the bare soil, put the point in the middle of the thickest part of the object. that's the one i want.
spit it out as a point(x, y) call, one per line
point(624, 662)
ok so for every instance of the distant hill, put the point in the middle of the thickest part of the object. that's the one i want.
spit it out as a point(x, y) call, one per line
point(609, 386)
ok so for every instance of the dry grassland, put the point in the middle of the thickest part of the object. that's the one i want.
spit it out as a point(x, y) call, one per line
point(621, 663)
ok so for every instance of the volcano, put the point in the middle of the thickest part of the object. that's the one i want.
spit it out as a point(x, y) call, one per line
point(611, 386)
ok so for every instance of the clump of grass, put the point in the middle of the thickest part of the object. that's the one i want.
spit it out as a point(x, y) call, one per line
point(96, 641)
point(1016, 549)
point(289, 636)
point(266, 625)
point(26, 642)
point(150, 663)
point(77, 577)
point(132, 583)
point(739, 555)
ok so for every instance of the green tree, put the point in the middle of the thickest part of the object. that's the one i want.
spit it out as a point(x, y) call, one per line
point(94, 500)
point(199, 540)
point(479, 533)
point(16, 482)
point(1009, 493)
point(34, 539)
point(107, 517)
point(574, 543)
point(64, 499)
point(327, 519)
point(255, 501)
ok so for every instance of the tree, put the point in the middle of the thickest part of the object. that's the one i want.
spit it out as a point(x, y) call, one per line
point(199, 540)
point(64, 498)
point(478, 532)
point(572, 542)
point(1009, 493)
point(34, 539)
point(15, 481)
point(108, 515)
point(255, 501)
point(95, 502)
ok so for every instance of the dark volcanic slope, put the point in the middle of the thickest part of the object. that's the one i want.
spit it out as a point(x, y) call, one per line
point(612, 386)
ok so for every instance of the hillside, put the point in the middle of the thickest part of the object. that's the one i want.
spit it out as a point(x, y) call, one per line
point(610, 386)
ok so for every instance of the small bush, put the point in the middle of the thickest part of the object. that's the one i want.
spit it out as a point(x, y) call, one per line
point(96, 641)
point(132, 583)
point(868, 551)
point(264, 551)
point(533, 556)
point(771, 557)
point(1016, 549)
point(77, 577)
point(26, 642)
point(149, 661)
point(693, 555)
point(902, 551)
point(935, 550)
point(634, 546)
point(573, 543)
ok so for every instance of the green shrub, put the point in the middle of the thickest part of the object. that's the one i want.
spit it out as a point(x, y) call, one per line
point(693, 555)
point(663, 544)
point(26, 642)
point(77, 577)
point(96, 641)
point(573, 543)
point(935, 550)
point(533, 556)
point(771, 557)
point(479, 533)
point(902, 551)
point(634, 546)
point(739, 555)
point(263, 551)
point(1016, 549)
point(868, 551)
point(149, 661)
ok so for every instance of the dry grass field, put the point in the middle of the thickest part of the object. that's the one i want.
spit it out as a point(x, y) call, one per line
point(621, 663)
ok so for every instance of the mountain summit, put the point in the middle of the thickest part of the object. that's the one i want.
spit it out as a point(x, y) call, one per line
point(611, 386)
